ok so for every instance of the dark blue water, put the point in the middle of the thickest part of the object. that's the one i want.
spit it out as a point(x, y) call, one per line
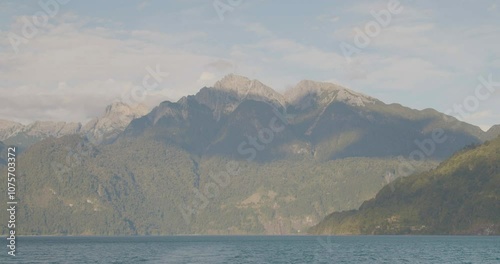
point(256, 249)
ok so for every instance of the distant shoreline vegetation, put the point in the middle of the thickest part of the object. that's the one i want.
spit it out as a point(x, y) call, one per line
point(459, 197)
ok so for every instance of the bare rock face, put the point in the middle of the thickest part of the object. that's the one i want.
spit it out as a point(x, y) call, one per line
point(51, 129)
point(16, 133)
point(115, 119)
point(9, 129)
point(245, 88)
point(324, 141)
point(307, 91)
point(229, 92)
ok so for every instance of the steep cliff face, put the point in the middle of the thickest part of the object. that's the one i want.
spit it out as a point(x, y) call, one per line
point(115, 119)
point(236, 158)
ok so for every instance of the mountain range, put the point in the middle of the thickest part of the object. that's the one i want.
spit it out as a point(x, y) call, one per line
point(116, 117)
point(236, 158)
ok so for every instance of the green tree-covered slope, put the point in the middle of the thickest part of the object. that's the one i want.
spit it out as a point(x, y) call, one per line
point(461, 196)
point(146, 187)
point(319, 148)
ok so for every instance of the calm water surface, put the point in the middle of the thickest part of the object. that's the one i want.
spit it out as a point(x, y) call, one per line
point(256, 249)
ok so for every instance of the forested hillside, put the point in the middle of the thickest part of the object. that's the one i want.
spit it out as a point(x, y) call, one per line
point(461, 196)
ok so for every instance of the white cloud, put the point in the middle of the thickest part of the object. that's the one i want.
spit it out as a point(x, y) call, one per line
point(78, 64)
point(400, 73)
point(314, 58)
point(71, 72)
point(480, 117)
point(220, 65)
point(328, 18)
point(280, 45)
point(206, 79)
point(495, 63)
point(143, 4)
point(258, 29)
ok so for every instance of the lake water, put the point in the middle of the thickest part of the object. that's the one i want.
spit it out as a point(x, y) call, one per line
point(256, 249)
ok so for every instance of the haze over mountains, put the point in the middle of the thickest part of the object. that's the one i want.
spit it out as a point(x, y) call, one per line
point(236, 158)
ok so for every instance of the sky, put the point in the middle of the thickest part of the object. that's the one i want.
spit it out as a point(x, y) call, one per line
point(65, 60)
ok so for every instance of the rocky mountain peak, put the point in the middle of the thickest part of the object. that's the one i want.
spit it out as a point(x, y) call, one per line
point(116, 117)
point(493, 132)
point(325, 92)
point(9, 128)
point(229, 92)
point(233, 82)
point(494, 128)
point(119, 108)
point(5, 124)
point(52, 128)
point(243, 87)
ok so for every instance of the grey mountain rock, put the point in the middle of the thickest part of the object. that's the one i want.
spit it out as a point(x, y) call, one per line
point(323, 93)
point(116, 117)
point(226, 94)
point(167, 172)
point(493, 132)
